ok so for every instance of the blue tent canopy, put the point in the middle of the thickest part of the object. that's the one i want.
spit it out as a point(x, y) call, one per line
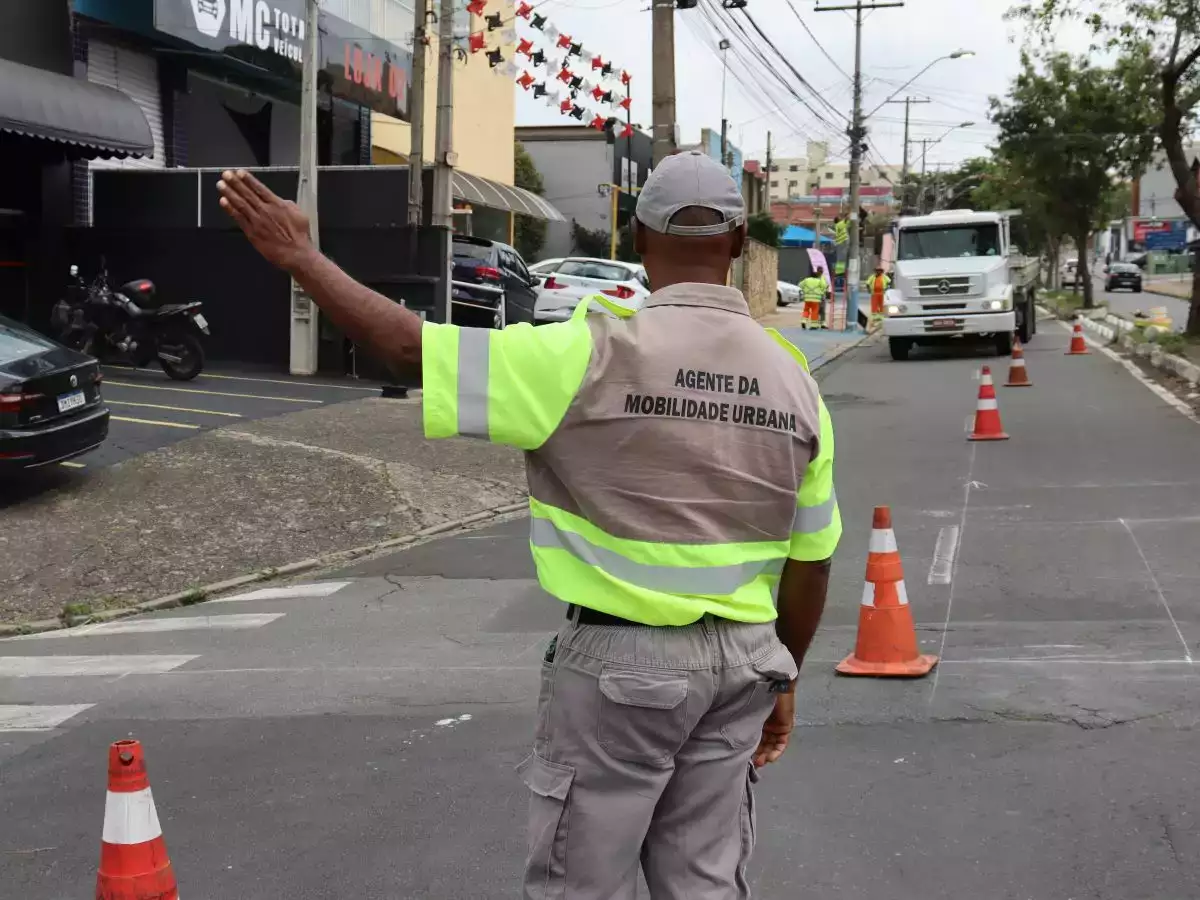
point(798, 235)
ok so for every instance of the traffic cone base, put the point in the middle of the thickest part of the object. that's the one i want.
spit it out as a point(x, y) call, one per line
point(887, 641)
point(1078, 346)
point(987, 412)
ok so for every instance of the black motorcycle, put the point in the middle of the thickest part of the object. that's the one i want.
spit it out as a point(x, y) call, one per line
point(130, 325)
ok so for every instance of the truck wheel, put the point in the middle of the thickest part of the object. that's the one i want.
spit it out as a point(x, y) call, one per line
point(1025, 332)
point(1004, 344)
point(899, 348)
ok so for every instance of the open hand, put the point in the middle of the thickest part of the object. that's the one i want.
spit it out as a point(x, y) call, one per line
point(776, 730)
point(276, 227)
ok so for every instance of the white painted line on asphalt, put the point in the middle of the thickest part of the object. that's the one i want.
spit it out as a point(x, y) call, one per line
point(944, 552)
point(291, 592)
point(72, 465)
point(155, 422)
point(157, 626)
point(184, 409)
point(969, 424)
point(962, 525)
point(1159, 391)
point(37, 718)
point(1187, 651)
point(72, 666)
point(163, 387)
point(316, 384)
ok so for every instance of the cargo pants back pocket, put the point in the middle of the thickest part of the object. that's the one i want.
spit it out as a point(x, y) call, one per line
point(549, 815)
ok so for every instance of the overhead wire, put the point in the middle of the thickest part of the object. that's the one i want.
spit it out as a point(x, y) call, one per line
point(820, 47)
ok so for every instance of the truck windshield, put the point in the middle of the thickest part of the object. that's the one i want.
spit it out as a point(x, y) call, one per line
point(950, 241)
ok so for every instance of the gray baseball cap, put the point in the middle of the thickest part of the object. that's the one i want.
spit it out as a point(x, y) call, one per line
point(690, 179)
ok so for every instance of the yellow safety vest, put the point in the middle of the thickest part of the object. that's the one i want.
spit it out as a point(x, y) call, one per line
point(841, 232)
point(525, 387)
point(813, 289)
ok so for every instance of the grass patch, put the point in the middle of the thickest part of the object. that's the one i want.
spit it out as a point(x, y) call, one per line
point(70, 610)
point(1064, 304)
point(192, 597)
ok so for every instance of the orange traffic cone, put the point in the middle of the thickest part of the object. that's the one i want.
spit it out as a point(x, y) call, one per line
point(133, 855)
point(1017, 376)
point(1078, 344)
point(887, 640)
point(987, 412)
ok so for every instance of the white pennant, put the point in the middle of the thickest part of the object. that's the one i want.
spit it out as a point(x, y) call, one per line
point(551, 33)
point(510, 69)
point(509, 35)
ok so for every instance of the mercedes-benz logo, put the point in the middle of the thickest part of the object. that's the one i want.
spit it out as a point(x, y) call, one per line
point(943, 286)
point(74, 381)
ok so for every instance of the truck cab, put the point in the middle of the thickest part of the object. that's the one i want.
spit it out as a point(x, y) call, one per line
point(958, 276)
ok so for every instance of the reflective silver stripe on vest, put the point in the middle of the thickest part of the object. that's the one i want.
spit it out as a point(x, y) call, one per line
point(473, 347)
point(811, 519)
point(707, 580)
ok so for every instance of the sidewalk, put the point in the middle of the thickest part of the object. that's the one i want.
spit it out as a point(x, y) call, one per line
point(819, 347)
point(239, 499)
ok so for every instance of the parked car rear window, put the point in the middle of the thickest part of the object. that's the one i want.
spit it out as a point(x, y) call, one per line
point(1123, 267)
point(464, 250)
point(18, 343)
point(581, 269)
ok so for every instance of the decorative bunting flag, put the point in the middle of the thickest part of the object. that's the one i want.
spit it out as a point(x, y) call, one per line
point(607, 70)
point(539, 89)
point(525, 47)
point(494, 21)
point(475, 7)
point(624, 104)
point(509, 35)
point(538, 22)
point(525, 80)
point(627, 131)
point(566, 106)
point(524, 10)
point(576, 82)
point(564, 41)
point(494, 58)
point(597, 62)
point(577, 113)
point(477, 41)
point(537, 57)
point(597, 123)
point(606, 97)
point(509, 69)
point(564, 75)
point(573, 49)
point(585, 54)
point(597, 93)
point(624, 77)
point(552, 33)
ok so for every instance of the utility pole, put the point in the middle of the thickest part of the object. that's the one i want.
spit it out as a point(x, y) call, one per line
point(924, 147)
point(908, 102)
point(724, 47)
point(416, 113)
point(302, 356)
point(442, 214)
point(662, 101)
point(857, 134)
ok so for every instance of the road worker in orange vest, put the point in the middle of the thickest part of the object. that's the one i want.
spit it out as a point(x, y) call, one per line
point(876, 285)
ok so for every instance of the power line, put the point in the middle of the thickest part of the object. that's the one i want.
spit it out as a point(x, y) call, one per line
point(804, 24)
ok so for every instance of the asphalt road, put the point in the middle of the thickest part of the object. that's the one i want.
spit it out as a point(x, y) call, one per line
point(360, 743)
point(149, 410)
point(1128, 302)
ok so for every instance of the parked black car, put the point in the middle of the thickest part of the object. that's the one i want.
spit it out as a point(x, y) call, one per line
point(485, 272)
point(1123, 275)
point(50, 403)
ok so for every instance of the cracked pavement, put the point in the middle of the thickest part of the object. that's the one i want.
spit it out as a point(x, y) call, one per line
point(327, 753)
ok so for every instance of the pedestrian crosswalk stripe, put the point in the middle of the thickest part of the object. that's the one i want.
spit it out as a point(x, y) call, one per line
point(159, 625)
point(73, 666)
point(291, 592)
point(32, 717)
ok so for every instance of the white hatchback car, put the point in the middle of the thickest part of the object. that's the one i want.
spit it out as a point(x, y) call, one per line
point(567, 281)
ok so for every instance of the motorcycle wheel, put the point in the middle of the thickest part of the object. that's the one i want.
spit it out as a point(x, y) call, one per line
point(187, 348)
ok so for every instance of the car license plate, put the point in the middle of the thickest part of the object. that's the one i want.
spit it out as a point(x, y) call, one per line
point(73, 400)
point(200, 320)
point(942, 323)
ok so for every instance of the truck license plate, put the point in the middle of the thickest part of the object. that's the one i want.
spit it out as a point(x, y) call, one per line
point(73, 400)
point(942, 323)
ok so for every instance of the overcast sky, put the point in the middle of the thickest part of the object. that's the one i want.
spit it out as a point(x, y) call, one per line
point(897, 44)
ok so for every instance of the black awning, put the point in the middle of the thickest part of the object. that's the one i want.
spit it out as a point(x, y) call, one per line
point(89, 119)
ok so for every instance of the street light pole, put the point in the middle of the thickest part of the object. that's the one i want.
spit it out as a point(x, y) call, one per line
point(925, 145)
point(724, 47)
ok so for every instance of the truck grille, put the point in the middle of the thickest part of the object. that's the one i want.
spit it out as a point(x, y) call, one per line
point(956, 285)
point(939, 307)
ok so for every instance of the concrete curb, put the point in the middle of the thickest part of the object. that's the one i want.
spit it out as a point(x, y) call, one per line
point(1119, 329)
point(1161, 293)
point(207, 592)
point(840, 349)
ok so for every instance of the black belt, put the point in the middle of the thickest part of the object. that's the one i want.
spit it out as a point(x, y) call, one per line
point(585, 616)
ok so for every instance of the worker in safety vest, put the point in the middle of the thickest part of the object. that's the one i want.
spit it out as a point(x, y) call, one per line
point(876, 285)
point(813, 291)
point(680, 466)
point(841, 243)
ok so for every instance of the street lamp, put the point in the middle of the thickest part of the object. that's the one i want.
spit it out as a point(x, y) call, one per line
point(957, 54)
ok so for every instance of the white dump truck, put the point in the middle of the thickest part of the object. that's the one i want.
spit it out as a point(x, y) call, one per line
point(959, 276)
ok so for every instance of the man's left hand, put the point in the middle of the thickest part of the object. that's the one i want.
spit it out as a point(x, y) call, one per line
point(776, 730)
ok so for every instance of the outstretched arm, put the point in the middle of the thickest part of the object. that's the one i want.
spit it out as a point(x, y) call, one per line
point(280, 232)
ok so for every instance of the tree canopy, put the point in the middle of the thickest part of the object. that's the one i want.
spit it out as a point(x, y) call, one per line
point(529, 233)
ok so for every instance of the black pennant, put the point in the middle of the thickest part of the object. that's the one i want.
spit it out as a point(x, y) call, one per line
point(576, 82)
point(537, 58)
point(538, 22)
point(539, 89)
point(607, 69)
point(606, 96)
point(494, 21)
point(494, 58)
point(577, 113)
point(574, 49)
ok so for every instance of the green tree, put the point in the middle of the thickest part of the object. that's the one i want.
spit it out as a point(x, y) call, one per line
point(529, 233)
point(1161, 39)
point(590, 242)
point(1069, 130)
point(764, 229)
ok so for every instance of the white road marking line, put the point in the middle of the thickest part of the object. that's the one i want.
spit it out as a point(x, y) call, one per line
point(155, 422)
point(163, 387)
point(316, 384)
point(1187, 651)
point(37, 718)
point(943, 555)
point(72, 465)
point(293, 592)
point(970, 424)
point(184, 409)
point(73, 666)
point(962, 525)
point(157, 626)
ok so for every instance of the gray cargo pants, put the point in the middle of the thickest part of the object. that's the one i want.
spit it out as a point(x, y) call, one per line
point(642, 754)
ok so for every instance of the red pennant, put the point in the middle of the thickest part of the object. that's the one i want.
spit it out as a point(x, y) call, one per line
point(624, 104)
point(525, 47)
point(566, 106)
point(524, 10)
point(478, 41)
point(625, 76)
point(597, 92)
point(525, 80)
point(627, 131)
point(597, 62)
point(564, 75)
point(597, 123)
point(564, 41)
point(475, 7)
